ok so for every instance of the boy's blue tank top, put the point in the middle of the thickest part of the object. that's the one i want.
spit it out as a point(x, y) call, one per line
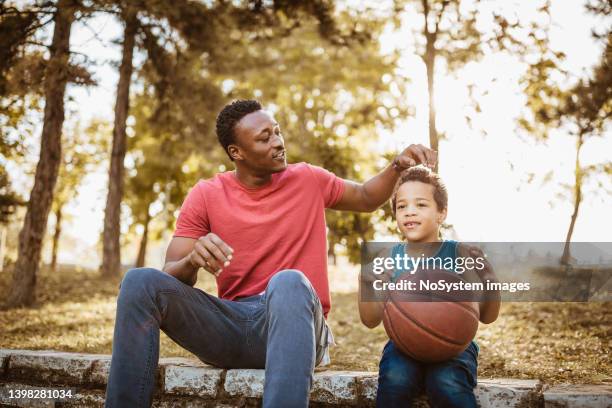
point(447, 250)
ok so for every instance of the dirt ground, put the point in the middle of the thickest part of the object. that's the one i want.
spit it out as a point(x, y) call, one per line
point(555, 342)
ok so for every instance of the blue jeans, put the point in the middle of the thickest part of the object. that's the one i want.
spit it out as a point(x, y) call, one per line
point(283, 331)
point(447, 384)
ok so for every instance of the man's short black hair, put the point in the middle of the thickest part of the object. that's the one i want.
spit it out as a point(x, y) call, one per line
point(229, 116)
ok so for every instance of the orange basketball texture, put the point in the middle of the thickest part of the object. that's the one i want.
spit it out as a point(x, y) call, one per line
point(430, 326)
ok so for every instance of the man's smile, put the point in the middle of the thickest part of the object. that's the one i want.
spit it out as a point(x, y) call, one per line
point(279, 156)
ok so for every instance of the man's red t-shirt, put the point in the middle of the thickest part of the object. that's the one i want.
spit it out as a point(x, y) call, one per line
point(271, 228)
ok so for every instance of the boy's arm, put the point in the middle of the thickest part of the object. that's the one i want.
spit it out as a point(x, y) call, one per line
point(370, 311)
point(489, 308)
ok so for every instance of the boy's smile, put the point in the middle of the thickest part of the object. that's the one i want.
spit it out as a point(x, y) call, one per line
point(411, 224)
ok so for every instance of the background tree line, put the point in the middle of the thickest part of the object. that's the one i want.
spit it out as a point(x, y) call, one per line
point(318, 64)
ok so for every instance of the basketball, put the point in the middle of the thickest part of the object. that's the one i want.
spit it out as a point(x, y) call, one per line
point(427, 325)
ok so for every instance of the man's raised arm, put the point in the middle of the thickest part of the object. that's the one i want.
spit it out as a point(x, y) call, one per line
point(370, 195)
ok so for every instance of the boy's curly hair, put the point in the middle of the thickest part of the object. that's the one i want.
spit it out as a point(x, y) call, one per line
point(229, 116)
point(424, 175)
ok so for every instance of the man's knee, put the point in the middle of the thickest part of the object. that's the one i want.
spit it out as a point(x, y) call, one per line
point(290, 280)
point(139, 278)
point(290, 287)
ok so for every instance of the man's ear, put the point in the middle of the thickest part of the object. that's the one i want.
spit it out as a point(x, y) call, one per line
point(234, 152)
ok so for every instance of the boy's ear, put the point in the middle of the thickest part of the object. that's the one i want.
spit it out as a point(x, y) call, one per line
point(442, 216)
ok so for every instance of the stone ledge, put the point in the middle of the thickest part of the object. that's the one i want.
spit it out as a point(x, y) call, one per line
point(578, 396)
point(190, 383)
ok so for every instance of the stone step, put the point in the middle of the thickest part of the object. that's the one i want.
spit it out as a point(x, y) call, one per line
point(189, 382)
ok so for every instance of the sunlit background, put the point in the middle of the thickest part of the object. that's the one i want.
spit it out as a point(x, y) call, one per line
point(485, 162)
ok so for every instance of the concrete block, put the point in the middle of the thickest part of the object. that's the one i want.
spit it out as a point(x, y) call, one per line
point(98, 374)
point(578, 396)
point(500, 393)
point(247, 383)
point(334, 387)
point(199, 381)
point(367, 386)
point(51, 366)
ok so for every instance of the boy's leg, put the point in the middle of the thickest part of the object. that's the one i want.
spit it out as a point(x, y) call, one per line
point(148, 300)
point(451, 383)
point(400, 378)
point(291, 334)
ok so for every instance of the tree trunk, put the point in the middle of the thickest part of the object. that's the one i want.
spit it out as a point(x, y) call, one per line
point(56, 237)
point(22, 292)
point(111, 253)
point(429, 58)
point(2, 246)
point(142, 251)
point(566, 257)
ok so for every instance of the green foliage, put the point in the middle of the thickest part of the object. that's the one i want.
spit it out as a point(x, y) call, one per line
point(331, 103)
point(15, 28)
point(450, 33)
point(582, 109)
point(22, 71)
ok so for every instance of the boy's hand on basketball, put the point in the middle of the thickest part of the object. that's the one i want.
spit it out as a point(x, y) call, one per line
point(490, 299)
point(483, 270)
point(414, 155)
point(211, 253)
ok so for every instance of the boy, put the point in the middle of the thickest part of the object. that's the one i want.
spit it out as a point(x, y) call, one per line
point(419, 205)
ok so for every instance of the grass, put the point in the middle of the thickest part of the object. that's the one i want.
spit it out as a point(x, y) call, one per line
point(555, 342)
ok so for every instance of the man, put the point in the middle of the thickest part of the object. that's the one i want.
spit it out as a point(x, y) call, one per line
point(260, 229)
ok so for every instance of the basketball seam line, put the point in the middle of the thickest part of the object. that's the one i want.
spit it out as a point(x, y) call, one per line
point(393, 330)
point(445, 300)
point(427, 330)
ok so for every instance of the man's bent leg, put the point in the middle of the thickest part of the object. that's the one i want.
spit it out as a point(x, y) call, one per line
point(150, 299)
point(294, 322)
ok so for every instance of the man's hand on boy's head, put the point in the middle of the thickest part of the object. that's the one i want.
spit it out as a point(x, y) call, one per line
point(211, 253)
point(414, 155)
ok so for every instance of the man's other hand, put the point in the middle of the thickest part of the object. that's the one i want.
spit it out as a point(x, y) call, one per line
point(211, 253)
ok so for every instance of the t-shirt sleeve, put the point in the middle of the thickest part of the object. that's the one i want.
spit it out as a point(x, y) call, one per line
point(192, 221)
point(331, 186)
